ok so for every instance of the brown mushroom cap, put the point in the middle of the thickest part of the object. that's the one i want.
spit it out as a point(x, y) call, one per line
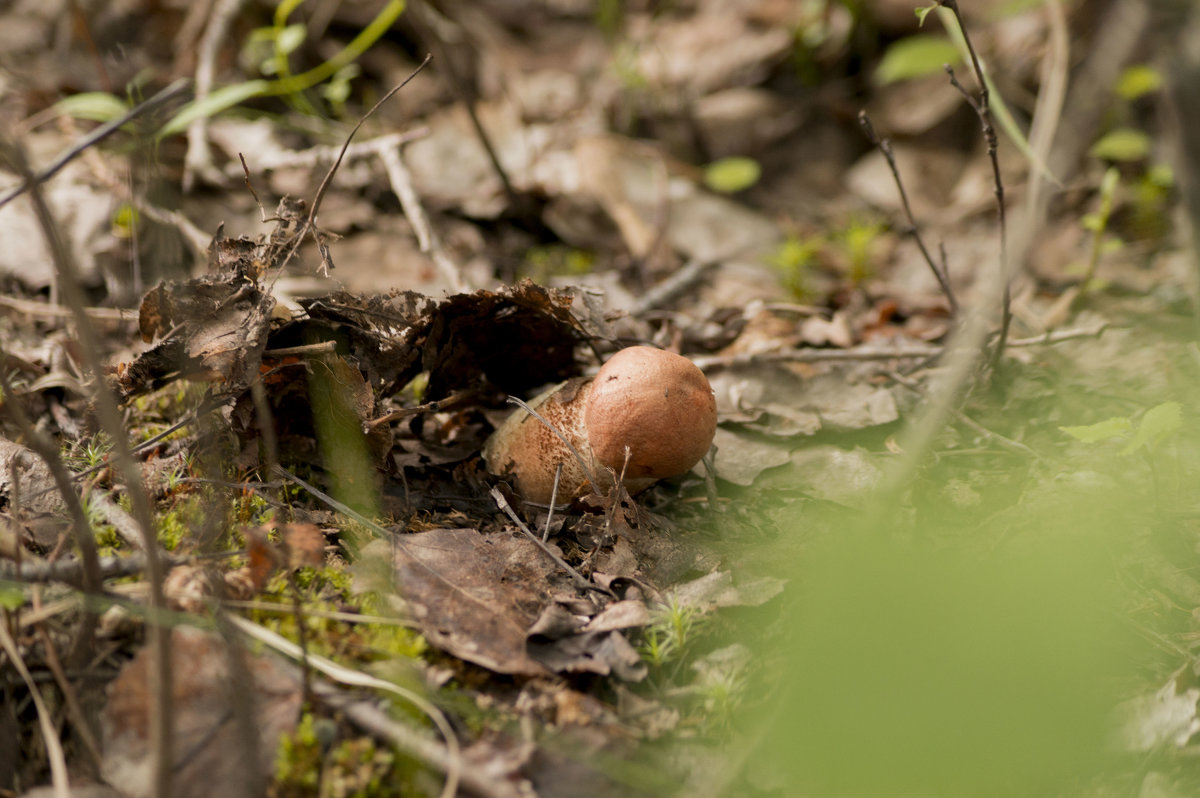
point(528, 450)
point(658, 404)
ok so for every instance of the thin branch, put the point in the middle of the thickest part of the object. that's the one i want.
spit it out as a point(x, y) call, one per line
point(89, 563)
point(427, 237)
point(672, 287)
point(912, 352)
point(72, 572)
point(109, 415)
point(1007, 443)
point(75, 711)
point(43, 310)
point(458, 86)
point(981, 106)
point(583, 464)
point(576, 577)
point(316, 203)
point(97, 135)
point(54, 749)
point(309, 224)
point(307, 158)
point(553, 496)
point(447, 759)
point(885, 147)
point(198, 160)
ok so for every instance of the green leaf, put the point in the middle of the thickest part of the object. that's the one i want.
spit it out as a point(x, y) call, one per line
point(11, 598)
point(290, 38)
point(1159, 422)
point(922, 12)
point(730, 175)
point(220, 100)
point(1161, 175)
point(914, 57)
point(1116, 427)
point(1138, 81)
point(97, 106)
point(1108, 184)
point(1123, 144)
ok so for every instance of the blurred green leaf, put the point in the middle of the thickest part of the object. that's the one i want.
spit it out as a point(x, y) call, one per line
point(910, 668)
point(11, 598)
point(1161, 174)
point(220, 100)
point(1160, 422)
point(922, 12)
point(730, 175)
point(290, 38)
point(97, 106)
point(1122, 145)
point(1138, 81)
point(914, 57)
point(1116, 427)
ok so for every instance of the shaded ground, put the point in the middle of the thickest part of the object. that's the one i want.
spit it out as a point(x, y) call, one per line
point(245, 403)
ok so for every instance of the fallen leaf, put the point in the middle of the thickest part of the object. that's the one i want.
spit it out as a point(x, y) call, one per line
point(209, 751)
point(475, 596)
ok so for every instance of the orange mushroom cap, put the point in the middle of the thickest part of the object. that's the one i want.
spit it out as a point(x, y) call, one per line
point(656, 403)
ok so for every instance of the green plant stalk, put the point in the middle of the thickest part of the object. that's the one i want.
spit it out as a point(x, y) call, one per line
point(1108, 188)
point(229, 96)
point(350, 53)
point(283, 69)
point(997, 105)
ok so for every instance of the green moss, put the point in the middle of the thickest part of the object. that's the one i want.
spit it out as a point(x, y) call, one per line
point(542, 263)
point(312, 760)
point(330, 590)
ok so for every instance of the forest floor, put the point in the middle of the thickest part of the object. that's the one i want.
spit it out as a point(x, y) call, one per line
point(945, 542)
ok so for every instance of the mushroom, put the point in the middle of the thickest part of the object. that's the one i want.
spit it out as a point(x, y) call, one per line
point(657, 405)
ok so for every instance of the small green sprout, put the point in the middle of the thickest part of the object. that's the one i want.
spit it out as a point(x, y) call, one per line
point(794, 260)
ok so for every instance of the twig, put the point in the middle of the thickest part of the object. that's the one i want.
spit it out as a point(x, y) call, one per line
point(109, 414)
point(280, 159)
point(309, 224)
point(447, 759)
point(674, 286)
point(97, 135)
point(710, 362)
point(198, 159)
point(587, 471)
point(458, 86)
point(71, 572)
point(981, 106)
point(43, 310)
point(319, 348)
point(553, 495)
point(344, 509)
point(1062, 335)
point(196, 238)
point(1007, 443)
point(79, 718)
point(54, 749)
point(884, 146)
point(435, 406)
point(427, 237)
point(576, 577)
point(89, 563)
point(913, 352)
point(320, 195)
point(615, 495)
